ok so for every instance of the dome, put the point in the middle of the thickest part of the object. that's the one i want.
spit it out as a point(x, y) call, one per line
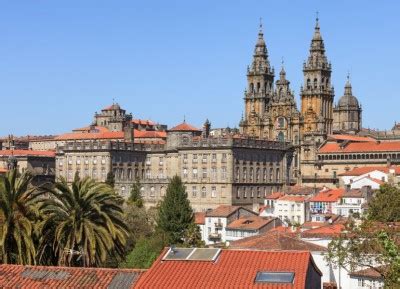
point(348, 100)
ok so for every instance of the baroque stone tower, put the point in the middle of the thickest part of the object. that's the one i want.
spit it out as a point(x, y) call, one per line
point(260, 79)
point(317, 93)
point(347, 113)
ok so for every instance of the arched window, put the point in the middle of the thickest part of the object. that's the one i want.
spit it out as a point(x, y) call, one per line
point(251, 87)
point(315, 83)
point(281, 122)
point(258, 87)
point(308, 83)
point(203, 192)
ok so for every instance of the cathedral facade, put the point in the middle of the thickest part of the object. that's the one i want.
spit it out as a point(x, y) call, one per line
point(271, 111)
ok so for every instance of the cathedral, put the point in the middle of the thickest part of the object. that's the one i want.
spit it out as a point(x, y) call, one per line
point(271, 111)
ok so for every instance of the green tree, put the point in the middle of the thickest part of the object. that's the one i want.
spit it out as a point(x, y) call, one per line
point(192, 236)
point(18, 212)
point(145, 252)
point(110, 179)
point(135, 195)
point(374, 243)
point(175, 213)
point(83, 223)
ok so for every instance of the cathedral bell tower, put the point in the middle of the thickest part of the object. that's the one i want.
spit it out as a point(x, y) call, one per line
point(317, 93)
point(260, 79)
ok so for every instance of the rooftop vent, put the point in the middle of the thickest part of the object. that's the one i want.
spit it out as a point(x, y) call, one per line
point(275, 277)
point(192, 254)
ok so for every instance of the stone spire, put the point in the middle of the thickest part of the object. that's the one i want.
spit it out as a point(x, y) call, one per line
point(347, 87)
point(260, 58)
point(317, 56)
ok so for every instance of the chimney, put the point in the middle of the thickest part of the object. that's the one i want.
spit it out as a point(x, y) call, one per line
point(128, 133)
point(206, 129)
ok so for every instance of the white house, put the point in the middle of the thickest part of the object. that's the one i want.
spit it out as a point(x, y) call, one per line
point(353, 201)
point(324, 203)
point(366, 181)
point(366, 279)
point(218, 219)
point(382, 174)
point(250, 226)
point(291, 209)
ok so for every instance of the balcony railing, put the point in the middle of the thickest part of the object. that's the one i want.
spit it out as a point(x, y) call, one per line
point(214, 236)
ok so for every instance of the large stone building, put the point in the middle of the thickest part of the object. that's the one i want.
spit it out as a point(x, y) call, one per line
point(231, 170)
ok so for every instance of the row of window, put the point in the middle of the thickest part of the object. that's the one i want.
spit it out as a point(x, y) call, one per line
point(253, 192)
point(203, 192)
point(244, 174)
point(213, 172)
point(204, 158)
point(358, 156)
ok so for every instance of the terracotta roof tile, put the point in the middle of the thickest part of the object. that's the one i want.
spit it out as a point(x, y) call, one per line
point(359, 147)
point(365, 170)
point(222, 211)
point(289, 198)
point(27, 153)
point(354, 138)
point(368, 272)
point(275, 196)
point(200, 218)
point(143, 122)
point(249, 223)
point(275, 240)
point(328, 231)
point(232, 269)
point(184, 127)
point(329, 195)
point(18, 276)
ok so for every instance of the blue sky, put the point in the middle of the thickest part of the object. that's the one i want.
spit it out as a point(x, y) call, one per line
point(60, 61)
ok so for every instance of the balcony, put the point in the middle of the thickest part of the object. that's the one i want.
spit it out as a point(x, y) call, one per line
point(214, 236)
point(218, 225)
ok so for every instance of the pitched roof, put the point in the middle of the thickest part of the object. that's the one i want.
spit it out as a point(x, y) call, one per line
point(297, 199)
point(359, 147)
point(200, 218)
point(347, 137)
point(143, 122)
point(368, 272)
point(275, 196)
point(329, 195)
point(232, 269)
point(355, 193)
point(328, 231)
point(249, 223)
point(222, 211)
point(277, 241)
point(18, 153)
point(19, 276)
point(365, 170)
point(184, 127)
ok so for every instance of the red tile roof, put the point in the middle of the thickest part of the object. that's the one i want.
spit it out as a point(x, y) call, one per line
point(275, 196)
point(18, 276)
point(143, 122)
point(27, 153)
point(275, 241)
point(225, 211)
point(250, 223)
point(368, 272)
point(184, 127)
point(232, 269)
point(365, 170)
point(200, 218)
point(289, 198)
point(110, 135)
point(359, 147)
point(328, 231)
point(329, 195)
point(345, 137)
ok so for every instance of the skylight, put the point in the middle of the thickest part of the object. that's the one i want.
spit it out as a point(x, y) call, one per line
point(274, 277)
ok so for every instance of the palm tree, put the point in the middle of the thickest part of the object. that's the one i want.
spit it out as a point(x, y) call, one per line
point(18, 212)
point(83, 223)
